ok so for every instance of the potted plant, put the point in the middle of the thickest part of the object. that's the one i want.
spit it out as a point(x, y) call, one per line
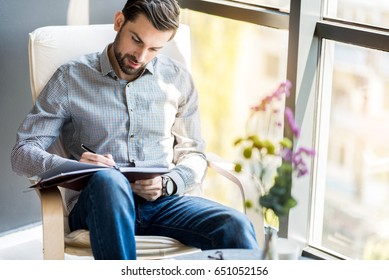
point(271, 158)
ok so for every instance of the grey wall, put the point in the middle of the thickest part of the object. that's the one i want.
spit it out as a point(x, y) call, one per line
point(19, 208)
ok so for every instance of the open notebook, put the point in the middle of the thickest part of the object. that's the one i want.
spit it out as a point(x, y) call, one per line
point(74, 175)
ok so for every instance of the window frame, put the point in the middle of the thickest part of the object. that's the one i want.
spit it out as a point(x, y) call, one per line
point(307, 29)
point(256, 14)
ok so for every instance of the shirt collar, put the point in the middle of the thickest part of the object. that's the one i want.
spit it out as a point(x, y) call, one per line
point(105, 64)
point(107, 69)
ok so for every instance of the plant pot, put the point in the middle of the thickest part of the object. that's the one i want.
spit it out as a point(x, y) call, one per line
point(278, 248)
point(288, 249)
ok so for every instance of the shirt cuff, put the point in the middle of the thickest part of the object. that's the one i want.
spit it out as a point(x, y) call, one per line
point(180, 184)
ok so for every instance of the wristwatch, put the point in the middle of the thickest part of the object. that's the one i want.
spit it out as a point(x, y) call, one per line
point(168, 186)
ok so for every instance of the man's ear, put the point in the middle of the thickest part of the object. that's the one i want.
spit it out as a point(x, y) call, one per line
point(118, 20)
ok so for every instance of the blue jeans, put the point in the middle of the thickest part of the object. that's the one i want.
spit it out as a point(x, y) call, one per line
point(113, 214)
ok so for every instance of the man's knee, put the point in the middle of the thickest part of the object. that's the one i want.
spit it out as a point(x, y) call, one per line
point(110, 183)
point(239, 232)
point(109, 176)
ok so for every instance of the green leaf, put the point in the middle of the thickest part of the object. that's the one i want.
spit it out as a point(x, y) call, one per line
point(291, 203)
point(277, 190)
point(279, 210)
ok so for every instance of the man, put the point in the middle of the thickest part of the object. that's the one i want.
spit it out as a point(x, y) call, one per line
point(133, 108)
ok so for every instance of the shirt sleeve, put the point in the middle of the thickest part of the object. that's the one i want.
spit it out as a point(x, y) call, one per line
point(40, 129)
point(189, 145)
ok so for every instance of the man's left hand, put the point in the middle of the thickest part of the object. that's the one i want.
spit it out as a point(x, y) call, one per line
point(149, 189)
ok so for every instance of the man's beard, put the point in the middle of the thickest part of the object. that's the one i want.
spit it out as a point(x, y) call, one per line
point(128, 70)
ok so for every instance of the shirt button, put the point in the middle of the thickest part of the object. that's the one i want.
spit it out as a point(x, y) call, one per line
point(132, 135)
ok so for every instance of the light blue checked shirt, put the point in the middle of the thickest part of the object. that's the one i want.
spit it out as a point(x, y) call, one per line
point(153, 121)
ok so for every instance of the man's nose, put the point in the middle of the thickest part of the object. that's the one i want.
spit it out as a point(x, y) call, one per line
point(141, 54)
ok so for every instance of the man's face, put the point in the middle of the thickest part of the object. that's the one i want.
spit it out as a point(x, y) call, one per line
point(136, 44)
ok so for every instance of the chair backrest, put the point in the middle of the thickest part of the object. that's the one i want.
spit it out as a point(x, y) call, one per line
point(51, 46)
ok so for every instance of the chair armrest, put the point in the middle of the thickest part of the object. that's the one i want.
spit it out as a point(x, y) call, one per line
point(247, 187)
point(226, 169)
point(52, 223)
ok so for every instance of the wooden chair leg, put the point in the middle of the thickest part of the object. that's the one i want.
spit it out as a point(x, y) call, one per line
point(52, 224)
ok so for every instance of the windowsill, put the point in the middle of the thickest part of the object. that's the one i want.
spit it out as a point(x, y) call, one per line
point(315, 254)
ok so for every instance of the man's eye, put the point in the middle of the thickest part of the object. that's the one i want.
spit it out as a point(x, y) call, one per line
point(136, 40)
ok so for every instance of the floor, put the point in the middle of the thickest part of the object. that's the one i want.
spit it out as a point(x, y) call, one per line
point(25, 244)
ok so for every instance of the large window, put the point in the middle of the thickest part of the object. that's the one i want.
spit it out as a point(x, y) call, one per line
point(372, 12)
point(353, 220)
point(335, 52)
point(234, 63)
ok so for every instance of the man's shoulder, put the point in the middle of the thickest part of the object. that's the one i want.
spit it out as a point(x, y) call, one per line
point(166, 62)
point(86, 61)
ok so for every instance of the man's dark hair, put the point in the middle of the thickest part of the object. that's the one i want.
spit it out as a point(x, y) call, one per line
point(163, 14)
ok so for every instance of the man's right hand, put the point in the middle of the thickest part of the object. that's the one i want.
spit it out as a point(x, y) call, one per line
point(102, 160)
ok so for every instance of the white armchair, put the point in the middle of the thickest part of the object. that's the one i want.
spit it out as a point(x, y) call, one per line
point(51, 46)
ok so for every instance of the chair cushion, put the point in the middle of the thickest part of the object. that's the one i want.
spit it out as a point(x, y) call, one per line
point(147, 247)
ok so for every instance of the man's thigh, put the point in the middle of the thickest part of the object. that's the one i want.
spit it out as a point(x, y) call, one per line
point(192, 220)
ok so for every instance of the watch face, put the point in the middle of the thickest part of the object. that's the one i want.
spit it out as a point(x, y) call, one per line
point(169, 187)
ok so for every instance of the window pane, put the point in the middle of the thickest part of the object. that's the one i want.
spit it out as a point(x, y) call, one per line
point(233, 65)
point(283, 5)
point(355, 219)
point(372, 12)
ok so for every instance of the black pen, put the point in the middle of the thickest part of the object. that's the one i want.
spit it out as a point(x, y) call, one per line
point(85, 148)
